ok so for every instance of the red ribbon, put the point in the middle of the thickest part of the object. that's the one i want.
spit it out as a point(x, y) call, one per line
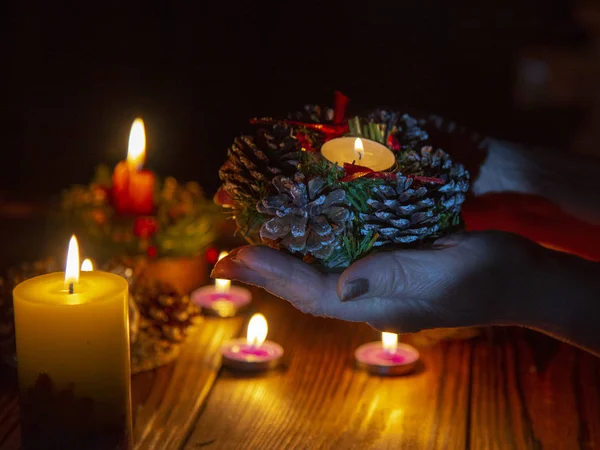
point(354, 171)
point(340, 102)
point(329, 130)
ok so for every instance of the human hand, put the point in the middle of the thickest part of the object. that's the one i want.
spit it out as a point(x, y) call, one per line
point(468, 279)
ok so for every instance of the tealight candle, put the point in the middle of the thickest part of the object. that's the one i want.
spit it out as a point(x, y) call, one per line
point(387, 357)
point(363, 152)
point(72, 336)
point(222, 299)
point(253, 353)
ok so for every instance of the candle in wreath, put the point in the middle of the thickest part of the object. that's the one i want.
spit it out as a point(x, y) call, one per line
point(133, 187)
point(72, 338)
point(362, 152)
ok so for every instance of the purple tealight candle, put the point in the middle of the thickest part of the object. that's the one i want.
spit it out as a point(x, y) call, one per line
point(222, 299)
point(387, 357)
point(253, 353)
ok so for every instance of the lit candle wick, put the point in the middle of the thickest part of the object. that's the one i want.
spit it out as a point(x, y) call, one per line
point(359, 149)
point(257, 331)
point(72, 267)
point(389, 341)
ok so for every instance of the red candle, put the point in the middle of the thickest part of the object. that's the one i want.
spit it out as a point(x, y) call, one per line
point(141, 192)
point(133, 188)
point(120, 189)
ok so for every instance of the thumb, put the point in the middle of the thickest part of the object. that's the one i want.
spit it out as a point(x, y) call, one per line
point(378, 275)
point(401, 282)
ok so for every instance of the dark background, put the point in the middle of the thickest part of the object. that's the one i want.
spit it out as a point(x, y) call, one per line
point(78, 73)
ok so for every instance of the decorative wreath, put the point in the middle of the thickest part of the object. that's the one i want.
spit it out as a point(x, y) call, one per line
point(184, 222)
point(285, 193)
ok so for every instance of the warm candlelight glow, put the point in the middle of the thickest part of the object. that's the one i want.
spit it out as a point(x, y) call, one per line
point(87, 266)
point(390, 341)
point(257, 330)
point(137, 145)
point(222, 285)
point(72, 268)
point(359, 149)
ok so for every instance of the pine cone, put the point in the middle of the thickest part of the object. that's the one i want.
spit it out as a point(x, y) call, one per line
point(255, 160)
point(306, 220)
point(313, 114)
point(165, 313)
point(407, 129)
point(465, 146)
point(413, 210)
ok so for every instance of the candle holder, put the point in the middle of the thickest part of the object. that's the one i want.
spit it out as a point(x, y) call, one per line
point(330, 189)
point(254, 353)
point(222, 302)
point(387, 357)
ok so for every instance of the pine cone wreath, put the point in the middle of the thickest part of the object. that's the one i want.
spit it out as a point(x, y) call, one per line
point(306, 219)
point(289, 196)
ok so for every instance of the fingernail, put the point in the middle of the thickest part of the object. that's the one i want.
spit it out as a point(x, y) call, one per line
point(354, 289)
point(221, 268)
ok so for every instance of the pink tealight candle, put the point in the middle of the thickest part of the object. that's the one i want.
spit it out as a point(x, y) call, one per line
point(222, 299)
point(387, 357)
point(253, 353)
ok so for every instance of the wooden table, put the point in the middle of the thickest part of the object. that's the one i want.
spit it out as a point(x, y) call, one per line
point(515, 389)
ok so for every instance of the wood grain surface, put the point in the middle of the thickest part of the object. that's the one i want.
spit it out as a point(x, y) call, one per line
point(532, 392)
point(515, 389)
point(320, 401)
point(167, 401)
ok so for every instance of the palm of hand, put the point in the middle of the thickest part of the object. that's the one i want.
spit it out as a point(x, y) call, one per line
point(462, 282)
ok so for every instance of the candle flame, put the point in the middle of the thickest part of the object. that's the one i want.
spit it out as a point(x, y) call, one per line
point(390, 341)
point(222, 285)
point(87, 266)
point(359, 149)
point(136, 151)
point(72, 268)
point(257, 330)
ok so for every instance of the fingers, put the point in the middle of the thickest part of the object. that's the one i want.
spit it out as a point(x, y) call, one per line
point(282, 275)
point(380, 275)
point(405, 284)
point(301, 284)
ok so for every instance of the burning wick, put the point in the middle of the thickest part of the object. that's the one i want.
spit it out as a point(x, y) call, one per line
point(72, 268)
point(389, 341)
point(359, 149)
point(257, 330)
